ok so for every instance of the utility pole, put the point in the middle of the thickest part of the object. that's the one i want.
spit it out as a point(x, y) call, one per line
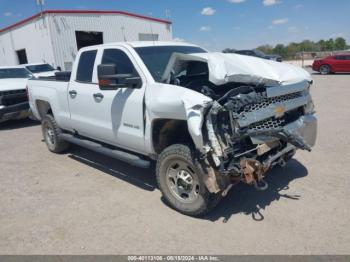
point(302, 59)
point(40, 3)
point(168, 17)
point(167, 14)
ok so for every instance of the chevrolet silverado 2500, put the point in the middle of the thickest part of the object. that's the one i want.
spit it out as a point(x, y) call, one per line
point(210, 120)
point(13, 95)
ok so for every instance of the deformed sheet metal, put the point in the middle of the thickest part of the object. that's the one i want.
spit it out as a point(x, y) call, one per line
point(225, 68)
point(287, 89)
point(305, 127)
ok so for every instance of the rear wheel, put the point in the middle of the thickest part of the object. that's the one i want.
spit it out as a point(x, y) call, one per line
point(51, 133)
point(182, 183)
point(325, 69)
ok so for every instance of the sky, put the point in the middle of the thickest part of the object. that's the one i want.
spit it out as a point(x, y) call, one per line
point(218, 24)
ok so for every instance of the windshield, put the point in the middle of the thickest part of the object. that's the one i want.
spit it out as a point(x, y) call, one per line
point(156, 58)
point(14, 73)
point(40, 68)
point(259, 53)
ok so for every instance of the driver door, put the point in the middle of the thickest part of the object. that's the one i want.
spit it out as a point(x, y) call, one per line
point(113, 116)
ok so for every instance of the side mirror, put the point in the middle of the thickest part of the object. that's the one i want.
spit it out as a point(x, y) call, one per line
point(108, 79)
point(59, 68)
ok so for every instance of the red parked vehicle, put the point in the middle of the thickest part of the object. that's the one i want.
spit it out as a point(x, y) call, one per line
point(332, 64)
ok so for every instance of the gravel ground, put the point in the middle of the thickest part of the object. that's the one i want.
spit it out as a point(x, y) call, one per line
point(84, 203)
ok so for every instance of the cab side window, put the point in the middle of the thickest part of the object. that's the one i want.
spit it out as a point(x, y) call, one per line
point(86, 66)
point(120, 59)
point(340, 57)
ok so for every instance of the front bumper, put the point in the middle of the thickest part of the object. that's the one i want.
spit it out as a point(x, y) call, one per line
point(16, 111)
point(303, 131)
point(305, 128)
point(299, 134)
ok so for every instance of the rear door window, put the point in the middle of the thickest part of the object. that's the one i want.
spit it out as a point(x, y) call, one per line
point(86, 66)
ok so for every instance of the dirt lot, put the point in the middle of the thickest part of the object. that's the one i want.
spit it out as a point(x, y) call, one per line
point(84, 203)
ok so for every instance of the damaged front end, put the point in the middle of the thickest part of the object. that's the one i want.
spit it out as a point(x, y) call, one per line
point(251, 129)
point(260, 112)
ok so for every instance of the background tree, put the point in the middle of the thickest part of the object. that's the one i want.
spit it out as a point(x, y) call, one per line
point(340, 43)
point(267, 49)
point(291, 50)
point(322, 45)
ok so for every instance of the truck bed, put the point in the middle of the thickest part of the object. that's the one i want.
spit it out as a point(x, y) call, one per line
point(52, 90)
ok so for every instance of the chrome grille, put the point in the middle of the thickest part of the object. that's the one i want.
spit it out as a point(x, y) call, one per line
point(268, 101)
point(12, 92)
point(267, 124)
point(9, 98)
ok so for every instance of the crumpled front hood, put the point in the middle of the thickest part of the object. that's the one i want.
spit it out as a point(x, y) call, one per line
point(10, 84)
point(225, 68)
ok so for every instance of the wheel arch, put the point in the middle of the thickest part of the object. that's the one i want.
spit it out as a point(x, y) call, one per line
point(43, 108)
point(166, 132)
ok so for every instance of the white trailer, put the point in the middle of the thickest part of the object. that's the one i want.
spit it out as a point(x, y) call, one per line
point(55, 36)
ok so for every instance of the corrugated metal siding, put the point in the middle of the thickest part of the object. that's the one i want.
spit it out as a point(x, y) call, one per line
point(115, 27)
point(33, 36)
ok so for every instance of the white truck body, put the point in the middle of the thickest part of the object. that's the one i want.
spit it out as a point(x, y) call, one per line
point(124, 129)
point(216, 100)
point(163, 101)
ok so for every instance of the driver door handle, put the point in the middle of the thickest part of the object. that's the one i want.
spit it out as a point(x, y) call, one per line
point(98, 96)
point(72, 93)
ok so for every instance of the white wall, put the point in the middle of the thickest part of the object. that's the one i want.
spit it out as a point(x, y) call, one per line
point(33, 36)
point(52, 38)
point(115, 27)
point(7, 53)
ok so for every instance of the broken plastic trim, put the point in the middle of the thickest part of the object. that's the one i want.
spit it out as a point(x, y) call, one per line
point(284, 135)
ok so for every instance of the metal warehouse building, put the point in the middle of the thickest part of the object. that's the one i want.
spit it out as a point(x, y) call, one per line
point(55, 36)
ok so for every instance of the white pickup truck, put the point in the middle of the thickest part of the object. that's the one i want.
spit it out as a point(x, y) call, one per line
point(210, 120)
point(13, 94)
point(40, 69)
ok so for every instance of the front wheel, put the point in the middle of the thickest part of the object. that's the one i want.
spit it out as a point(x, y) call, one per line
point(325, 69)
point(182, 182)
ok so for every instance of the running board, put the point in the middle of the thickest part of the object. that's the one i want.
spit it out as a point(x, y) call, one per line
point(117, 154)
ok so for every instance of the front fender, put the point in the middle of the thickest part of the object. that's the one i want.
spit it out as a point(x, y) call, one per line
point(176, 102)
